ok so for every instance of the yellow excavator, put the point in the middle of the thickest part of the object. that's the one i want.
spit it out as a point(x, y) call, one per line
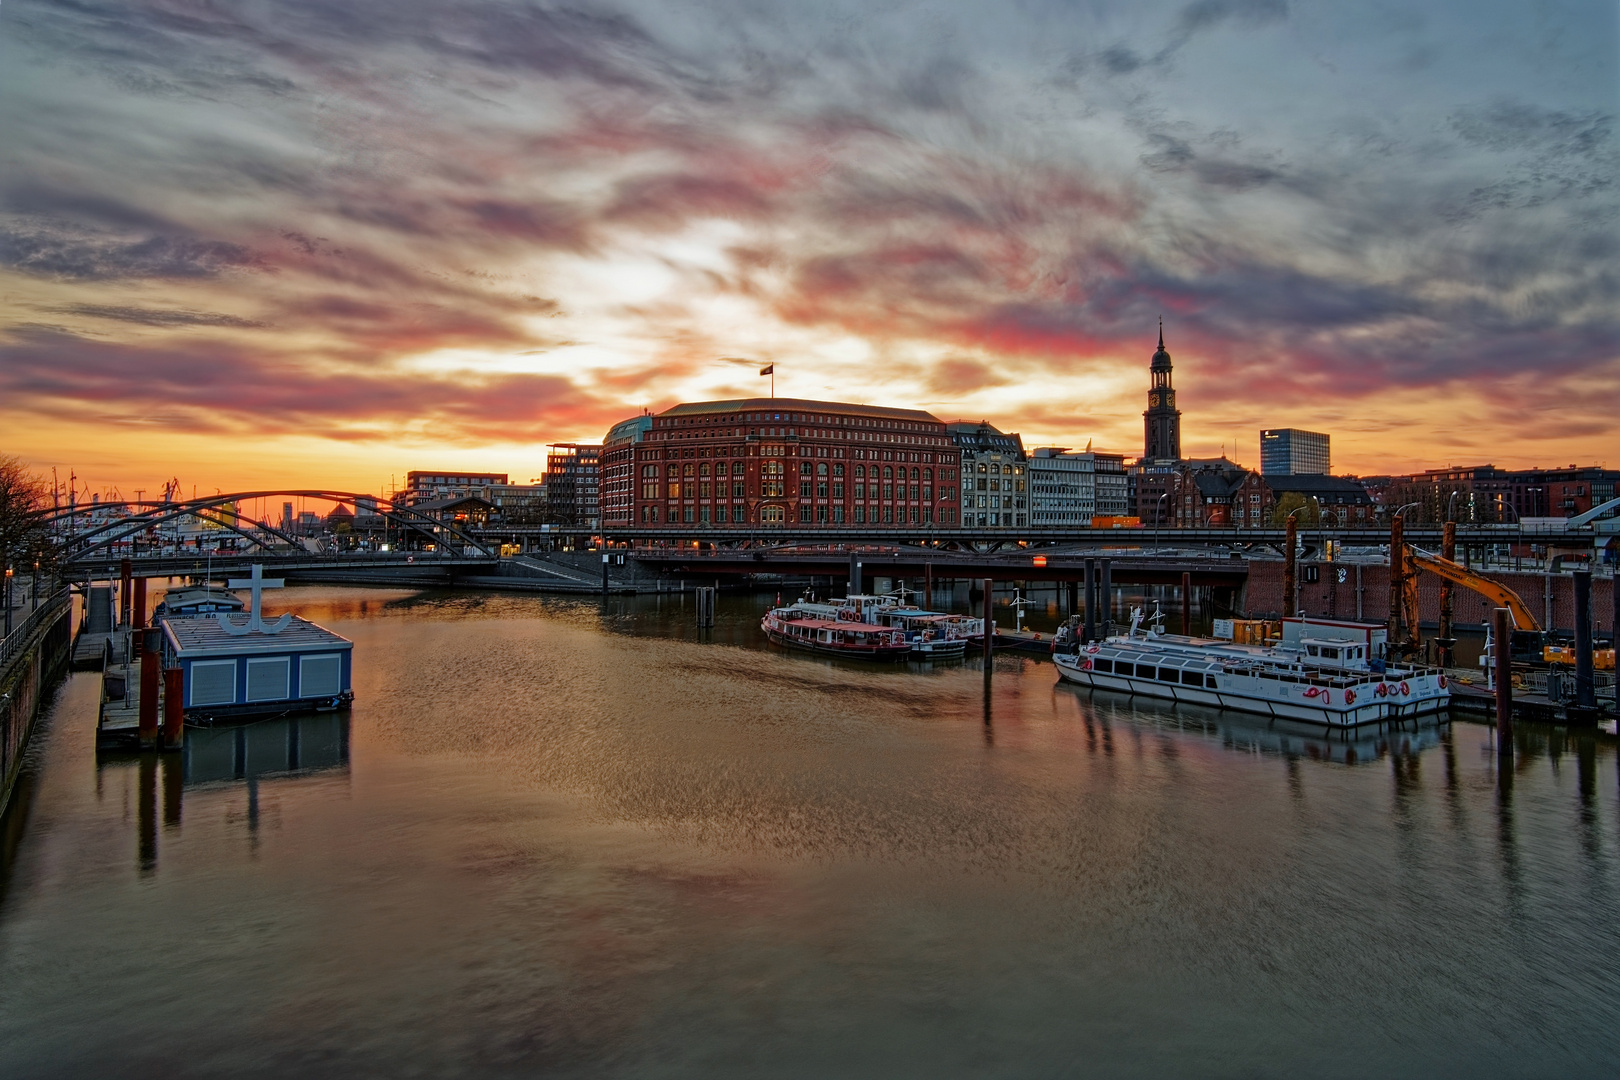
point(1528, 637)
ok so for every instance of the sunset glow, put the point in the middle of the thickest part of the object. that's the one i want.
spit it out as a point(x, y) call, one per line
point(314, 243)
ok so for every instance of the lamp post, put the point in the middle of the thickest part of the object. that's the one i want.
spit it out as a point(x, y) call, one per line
point(1158, 517)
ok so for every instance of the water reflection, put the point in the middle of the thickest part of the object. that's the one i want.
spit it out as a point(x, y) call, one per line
point(219, 757)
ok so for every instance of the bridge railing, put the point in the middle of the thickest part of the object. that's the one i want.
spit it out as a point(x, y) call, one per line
point(23, 634)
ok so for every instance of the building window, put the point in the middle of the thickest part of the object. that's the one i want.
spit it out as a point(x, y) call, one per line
point(821, 515)
point(771, 515)
point(860, 515)
point(804, 514)
point(888, 516)
point(686, 515)
point(738, 514)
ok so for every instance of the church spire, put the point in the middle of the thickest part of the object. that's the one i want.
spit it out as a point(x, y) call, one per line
point(1161, 333)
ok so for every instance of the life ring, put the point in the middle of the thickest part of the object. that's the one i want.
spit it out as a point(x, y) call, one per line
point(1406, 689)
point(1036, 638)
point(1382, 690)
point(1442, 682)
point(1315, 691)
point(1093, 648)
point(1349, 697)
point(1085, 665)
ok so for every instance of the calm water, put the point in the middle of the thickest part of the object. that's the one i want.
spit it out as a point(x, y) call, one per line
point(553, 840)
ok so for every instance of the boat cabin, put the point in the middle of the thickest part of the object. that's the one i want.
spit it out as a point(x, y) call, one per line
point(196, 600)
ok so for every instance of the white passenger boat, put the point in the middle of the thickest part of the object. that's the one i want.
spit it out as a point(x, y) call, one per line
point(1324, 675)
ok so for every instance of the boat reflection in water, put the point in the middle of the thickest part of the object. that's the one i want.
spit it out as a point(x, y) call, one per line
point(219, 759)
point(295, 744)
point(1288, 738)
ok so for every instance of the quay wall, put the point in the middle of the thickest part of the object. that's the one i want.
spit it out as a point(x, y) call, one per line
point(31, 660)
point(1263, 597)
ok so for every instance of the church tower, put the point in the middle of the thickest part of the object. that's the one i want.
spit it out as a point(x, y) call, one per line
point(1162, 421)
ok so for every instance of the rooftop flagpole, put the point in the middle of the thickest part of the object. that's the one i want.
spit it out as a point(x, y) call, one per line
point(770, 369)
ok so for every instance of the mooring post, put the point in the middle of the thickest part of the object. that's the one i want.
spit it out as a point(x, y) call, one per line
point(151, 660)
point(705, 605)
point(1397, 574)
point(1105, 600)
point(174, 709)
point(1502, 630)
point(605, 558)
point(989, 626)
point(928, 586)
point(1448, 551)
point(1091, 600)
point(854, 574)
point(1186, 602)
point(1585, 690)
point(1290, 596)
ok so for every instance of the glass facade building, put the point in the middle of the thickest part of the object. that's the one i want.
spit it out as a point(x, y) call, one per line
point(1292, 452)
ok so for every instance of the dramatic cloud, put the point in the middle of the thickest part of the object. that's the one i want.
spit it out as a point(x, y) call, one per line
point(390, 225)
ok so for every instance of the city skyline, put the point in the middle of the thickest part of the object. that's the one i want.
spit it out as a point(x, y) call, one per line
point(333, 245)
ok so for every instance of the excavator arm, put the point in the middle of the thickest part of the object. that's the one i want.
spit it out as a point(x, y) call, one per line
point(1491, 590)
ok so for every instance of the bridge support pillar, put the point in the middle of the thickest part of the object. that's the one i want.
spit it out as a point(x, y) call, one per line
point(1186, 602)
point(137, 616)
point(1091, 600)
point(1585, 690)
point(1105, 599)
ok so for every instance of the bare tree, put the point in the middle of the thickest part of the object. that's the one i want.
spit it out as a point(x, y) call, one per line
point(25, 537)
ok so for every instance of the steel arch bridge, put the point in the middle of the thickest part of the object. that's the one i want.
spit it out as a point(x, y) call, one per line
point(84, 547)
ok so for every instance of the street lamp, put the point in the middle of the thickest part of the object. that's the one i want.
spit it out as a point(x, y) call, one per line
point(1158, 517)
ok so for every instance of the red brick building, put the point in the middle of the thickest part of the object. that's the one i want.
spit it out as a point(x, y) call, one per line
point(763, 462)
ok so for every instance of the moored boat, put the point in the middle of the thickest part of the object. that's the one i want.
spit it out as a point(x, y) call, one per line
point(803, 627)
point(932, 635)
point(1334, 680)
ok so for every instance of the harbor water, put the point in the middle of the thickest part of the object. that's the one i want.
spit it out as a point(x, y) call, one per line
point(568, 837)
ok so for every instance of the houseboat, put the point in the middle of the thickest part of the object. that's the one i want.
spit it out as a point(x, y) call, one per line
point(807, 627)
point(242, 666)
point(1320, 674)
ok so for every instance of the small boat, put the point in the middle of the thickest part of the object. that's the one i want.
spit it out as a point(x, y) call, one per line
point(803, 627)
point(1336, 681)
point(190, 600)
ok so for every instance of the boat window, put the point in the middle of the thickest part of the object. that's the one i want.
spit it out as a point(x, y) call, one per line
point(1312, 650)
point(1169, 675)
point(1146, 671)
point(1193, 678)
point(1331, 654)
point(1103, 665)
point(1209, 681)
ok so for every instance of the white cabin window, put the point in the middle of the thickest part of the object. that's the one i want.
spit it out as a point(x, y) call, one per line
point(267, 679)
point(213, 682)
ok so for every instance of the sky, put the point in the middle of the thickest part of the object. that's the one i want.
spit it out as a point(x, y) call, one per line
point(306, 243)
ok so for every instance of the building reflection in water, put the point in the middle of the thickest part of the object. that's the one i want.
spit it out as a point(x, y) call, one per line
point(224, 756)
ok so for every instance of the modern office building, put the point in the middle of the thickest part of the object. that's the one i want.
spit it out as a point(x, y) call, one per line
point(573, 489)
point(422, 485)
point(1292, 452)
point(764, 462)
point(994, 484)
point(1073, 487)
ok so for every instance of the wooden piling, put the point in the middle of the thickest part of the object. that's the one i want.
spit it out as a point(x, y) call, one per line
point(174, 708)
point(705, 605)
point(1290, 603)
point(1502, 631)
point(1448, 551)
point(151, 661)
point(1397, 573)
point(989, 626)
point(928, 586)
point(1105, 599)
point(1091, 600)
